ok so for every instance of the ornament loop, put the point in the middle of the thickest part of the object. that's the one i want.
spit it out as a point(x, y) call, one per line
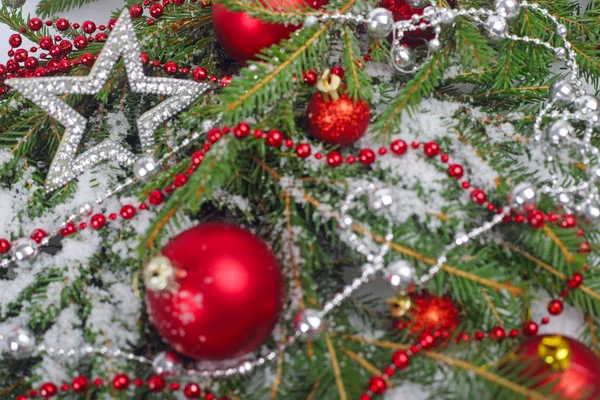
point(328, 84)
point(159, 274)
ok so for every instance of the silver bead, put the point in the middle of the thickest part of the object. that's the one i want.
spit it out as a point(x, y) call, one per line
point(523, 197)
point(562, 92)
point(448, 16)
point(380, 22)
point(496, 26)
point(382, 198)
point(566, 199)
point(593, 173)
point(145, 167)
point(434, 45)
point(86, 209)
point(561, 29)
point(558, 131)
point(404, 58)
point(591, 214)
point(417, 3)
point(309, 322)
point(24, 249)
point(310, 21)
point(586, 104)
point(166, 364)
point(14, 3)
point(429, 13)
point(159, 274)
point(507, 8)
point(400, 274)
point(21, 343)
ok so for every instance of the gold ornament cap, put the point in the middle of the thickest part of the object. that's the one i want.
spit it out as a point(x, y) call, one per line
point(555, 352)
point(328, 84)
point(399, 305)
point(159, 274)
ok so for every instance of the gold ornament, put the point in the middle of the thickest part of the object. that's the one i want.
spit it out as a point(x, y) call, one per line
point(159, 274)
point(555, 352)
point(328, 84)
point(399, 305)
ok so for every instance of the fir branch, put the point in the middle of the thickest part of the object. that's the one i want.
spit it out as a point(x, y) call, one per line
point(357, 81)
point(421, 85)
point(336, 369)
point(47, 8)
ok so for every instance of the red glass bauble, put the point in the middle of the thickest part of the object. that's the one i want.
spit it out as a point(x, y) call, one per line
point(428, 313)
point(243, 36)
point(342, 121)
point(227, 294)
point(577, 379)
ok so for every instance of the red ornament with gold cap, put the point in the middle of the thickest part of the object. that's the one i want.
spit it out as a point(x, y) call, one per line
point(215, 292)
point(333, 116)
point(568, 367)
point(243, 36)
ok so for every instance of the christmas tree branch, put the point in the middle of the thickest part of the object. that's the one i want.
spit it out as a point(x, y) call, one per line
point(336, 369)
point(367, 366)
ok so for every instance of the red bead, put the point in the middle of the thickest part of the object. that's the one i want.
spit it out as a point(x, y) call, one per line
point(35, 24)
point(21, 55)
point(156, 384)
point(309, 77)
point(185, 70)
point(98, 382)
point(199, 74)
point(80, 42)
point(414, 348)
point(535, 219)
point(197, 158)
point(431, 149)
point(48, 390)
point(303, 150)
point(143, 206)
point(64, 387)
point(4, 246)
point(156, 10)
point(168, 189)
point(62, 24)
point(415, 145)
point(214, 135)
point(98, 221)
point(377, 385)
point(31, 63)
point(241, 130)
point(66, 46)
point(33, 393)
point(38, 235)
point(155, 197)
point(127, 211)
point(399, 146)
point(389, 371)
point(498, 333)
point(455, 171)
point(367, 57)
point(274, 138)
point(138, 382)
point(334, 158)
point(530, 328)
point(82, 226)
point(45, 42)
point(339, 71)
point(575, 281)
point(192, 391)
point(225, 81)
point(145, 59)
point(15, 40)
point(552, 217)
point(479, 335)
point(21, 397)
point(121, 381)
point(101, 36)
point(350, 159)
point(545, 320)
point(382, 150)
point(174, 386)
point(80, 384)
point(69, 229)
point(55, 51)
point(400, 359)
point(569, 221)
point(257, 133)
point(111, 23)
point(478, 196)
point(365, 396)
point(171, 67)
point(366, 156)
point(179, 180)
point(87, 59)
point(136, 10)
point(64, 65)
point(89, 27)
point(465, 185)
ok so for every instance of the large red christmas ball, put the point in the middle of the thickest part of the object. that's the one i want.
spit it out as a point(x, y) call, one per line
point(243, 36)
point(342, 121)
point(567, 366)
point(222, 295)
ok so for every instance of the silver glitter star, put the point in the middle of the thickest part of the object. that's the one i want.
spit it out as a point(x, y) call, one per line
point(122, 42)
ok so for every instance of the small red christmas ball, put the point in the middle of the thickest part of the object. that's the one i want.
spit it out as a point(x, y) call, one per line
point(200, 74)
point(62, 24)
point(555, 307)
point(15, 40)
point(80, 384)
point(48, 390)
point(87, 59)
point(127, 211)
point(274, 138)
point(535, 218)
point(575, 281)
point(568, 367)
point(35, 24)
point(55, 51)
point(156, 384)
point(4, 246)
point(45, 42)
point(455, 171)
point(98, 221)
point(431, 149)
point(303, 150)
point(212, 275)
point(309, 77)
point(89, 27)
point(80, 42)
point(241, 130)
point(156, 197)
point(335, 158)
point(38, 235)
point(136, 10)
point(67, 46)
point(179, 180)
point(251, 35)
point(21, 55)
point(171, 67)
point(342, 121)
point(121, 381)
point(377, 385)
point(156, 10)
point(478, 196)
point(400, 359)
point(530, 328)
point(399, 147)
point(192, 391)
point(429, 313)
point(339, 71)
point(366, 156)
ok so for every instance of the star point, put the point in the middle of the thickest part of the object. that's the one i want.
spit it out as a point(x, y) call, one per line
point(67, 164)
